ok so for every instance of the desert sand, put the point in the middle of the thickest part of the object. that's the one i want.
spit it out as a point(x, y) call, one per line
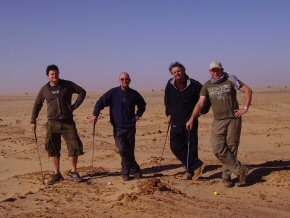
point(264, 148)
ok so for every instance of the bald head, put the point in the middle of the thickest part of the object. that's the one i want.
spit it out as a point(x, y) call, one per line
point(125, 80)
point(124, 75)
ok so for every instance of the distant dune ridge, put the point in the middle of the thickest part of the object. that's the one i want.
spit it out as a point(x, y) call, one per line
point(264, 147)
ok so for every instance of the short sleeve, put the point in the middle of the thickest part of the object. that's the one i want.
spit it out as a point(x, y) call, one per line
point(203, 91)
point(237, 83)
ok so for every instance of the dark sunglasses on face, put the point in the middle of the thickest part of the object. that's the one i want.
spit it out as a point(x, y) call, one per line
point(215, 70)
point(124, 79)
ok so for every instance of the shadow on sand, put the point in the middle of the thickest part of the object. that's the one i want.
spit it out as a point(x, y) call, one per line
point(256, 175)
point(258, 172)
point(148, 172)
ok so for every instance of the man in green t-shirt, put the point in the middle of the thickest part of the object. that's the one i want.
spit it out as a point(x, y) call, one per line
point(220, 90)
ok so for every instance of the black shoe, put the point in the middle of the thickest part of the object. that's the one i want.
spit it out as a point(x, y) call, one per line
point(55, 178)
point(242, 177)
point(137, 175)
point(228, 182)
point(126, 177)
point(75, 176)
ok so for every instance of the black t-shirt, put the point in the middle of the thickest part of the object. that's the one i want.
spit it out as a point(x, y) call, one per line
point(54, 89)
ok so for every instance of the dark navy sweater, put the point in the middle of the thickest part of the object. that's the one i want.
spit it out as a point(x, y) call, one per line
point(180, 104)
point(122, 106)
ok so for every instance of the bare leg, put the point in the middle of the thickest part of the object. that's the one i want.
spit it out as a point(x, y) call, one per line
point(74, 162)
point(56, 165)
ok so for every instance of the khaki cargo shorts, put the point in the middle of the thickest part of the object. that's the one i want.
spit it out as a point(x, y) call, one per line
point(67, 129)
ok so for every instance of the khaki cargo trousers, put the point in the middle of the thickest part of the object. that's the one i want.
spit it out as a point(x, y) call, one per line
point(225, 139)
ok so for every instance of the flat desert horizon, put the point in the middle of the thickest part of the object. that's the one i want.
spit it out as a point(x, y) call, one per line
point(264, 148)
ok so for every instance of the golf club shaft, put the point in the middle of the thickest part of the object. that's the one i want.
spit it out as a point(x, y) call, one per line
point(35, 137)
point(188, 145)
point(168, 127)
point(94, 131)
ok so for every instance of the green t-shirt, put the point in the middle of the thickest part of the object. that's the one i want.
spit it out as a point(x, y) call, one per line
point(222, 96)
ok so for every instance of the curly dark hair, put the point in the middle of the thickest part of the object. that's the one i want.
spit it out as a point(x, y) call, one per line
point(176, 64)
point(51, 67)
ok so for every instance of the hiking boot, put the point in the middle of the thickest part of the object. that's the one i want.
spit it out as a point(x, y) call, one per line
point(198, 172)
point(137, 175)
point(75, 176)
point(228, 182)
point(187, 176)
point(55, 178)
point(242, 177)
point(126, 177)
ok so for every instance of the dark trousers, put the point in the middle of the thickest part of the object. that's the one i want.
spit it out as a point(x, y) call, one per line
point(180, 141)
point(125, 142)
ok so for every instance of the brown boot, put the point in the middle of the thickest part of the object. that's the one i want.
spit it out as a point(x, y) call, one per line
point(187, 176)
point(198, 172)
point(242, 177)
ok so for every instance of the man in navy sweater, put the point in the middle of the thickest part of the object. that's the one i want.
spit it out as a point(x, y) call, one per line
point(122, 101)
point(181, 95)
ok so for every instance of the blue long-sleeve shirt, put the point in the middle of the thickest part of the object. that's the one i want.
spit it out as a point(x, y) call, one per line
point(122, 106)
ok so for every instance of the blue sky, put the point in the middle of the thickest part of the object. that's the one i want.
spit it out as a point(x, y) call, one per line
point(92, 41)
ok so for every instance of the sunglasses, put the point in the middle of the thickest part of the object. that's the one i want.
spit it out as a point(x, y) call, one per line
point(216, 70)
point(125, 79)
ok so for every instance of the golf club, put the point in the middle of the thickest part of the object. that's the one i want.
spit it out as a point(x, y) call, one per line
point(94, 131)
point(35, 137)
point(188, 145)
point(90, 181)
point(159, 165)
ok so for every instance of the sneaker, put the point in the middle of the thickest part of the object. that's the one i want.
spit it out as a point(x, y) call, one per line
point(187, 176)
point(55, 178)
point(242, 177)
point(228, 182)
point(198, 172)
point(75, 176)
point(125, 177)
point(137, 175)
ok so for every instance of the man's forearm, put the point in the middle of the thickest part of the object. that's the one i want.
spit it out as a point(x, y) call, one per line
point(248, 98)
point(196, 112)
point(80, 99)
